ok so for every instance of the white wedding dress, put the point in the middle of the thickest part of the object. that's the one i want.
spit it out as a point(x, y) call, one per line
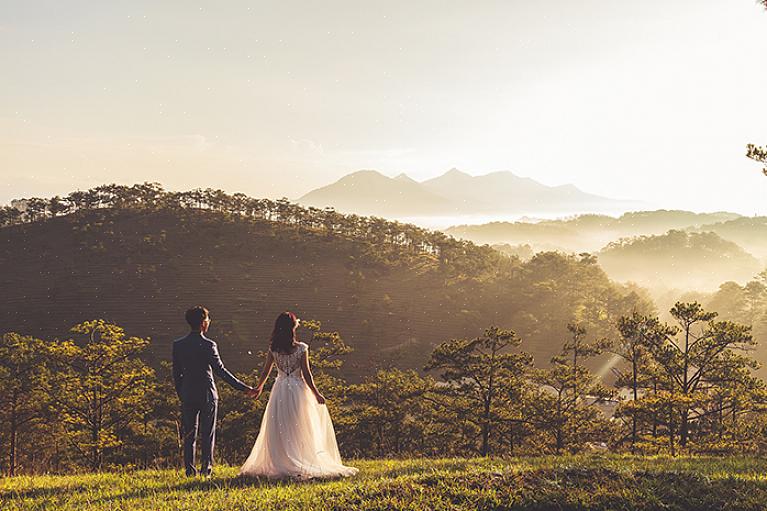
point(296, 437)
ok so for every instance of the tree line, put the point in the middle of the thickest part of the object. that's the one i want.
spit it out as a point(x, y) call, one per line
point(91, 402)
point(457, 256)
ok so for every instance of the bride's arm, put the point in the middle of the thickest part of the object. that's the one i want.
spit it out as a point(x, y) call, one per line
point(268, 364)
point(307, 372)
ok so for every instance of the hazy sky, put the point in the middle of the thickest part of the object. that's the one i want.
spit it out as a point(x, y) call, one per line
point(649, 100)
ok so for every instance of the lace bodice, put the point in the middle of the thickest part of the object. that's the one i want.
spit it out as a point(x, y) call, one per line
point(289, 364)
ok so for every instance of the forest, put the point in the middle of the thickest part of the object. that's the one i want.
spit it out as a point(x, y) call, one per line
point(393, 299)
point(91, 397)
point(663, 251)
point(90, 401)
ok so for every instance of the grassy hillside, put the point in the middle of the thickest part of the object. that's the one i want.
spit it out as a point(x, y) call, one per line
point(573, 483)
point(142, 268)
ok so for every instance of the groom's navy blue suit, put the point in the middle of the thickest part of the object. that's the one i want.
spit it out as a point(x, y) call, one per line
point(195, 359)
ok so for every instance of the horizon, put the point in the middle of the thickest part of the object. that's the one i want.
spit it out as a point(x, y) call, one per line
point(257, 98)
point(438, 222)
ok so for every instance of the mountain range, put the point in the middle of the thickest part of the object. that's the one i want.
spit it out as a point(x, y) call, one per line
point(368, 192)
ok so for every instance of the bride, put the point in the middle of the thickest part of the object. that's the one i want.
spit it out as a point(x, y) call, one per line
point(296, 438)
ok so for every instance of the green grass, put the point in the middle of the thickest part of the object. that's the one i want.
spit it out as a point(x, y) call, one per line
point(606, 483)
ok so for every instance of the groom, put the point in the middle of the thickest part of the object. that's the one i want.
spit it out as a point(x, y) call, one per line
point(195, 359)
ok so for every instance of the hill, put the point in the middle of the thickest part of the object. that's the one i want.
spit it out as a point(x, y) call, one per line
point(588, 233)
point(578, 483)
point(371, 193)
point(678, 259)
point(393, 291)
point(748, 232)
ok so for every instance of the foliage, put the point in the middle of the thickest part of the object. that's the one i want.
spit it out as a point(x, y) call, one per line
point(24, 377)
point(480, 376)
point(638, 333)
point(101, 387)
point(391, 415)
point(677, 258)
point(692, 384)
point(461, 258)
point(395, 299)
point(756, 153)
point(562, 405)
point(692, 390)
point(745, 304)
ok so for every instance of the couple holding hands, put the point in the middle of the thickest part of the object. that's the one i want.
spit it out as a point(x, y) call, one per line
point(296, 439)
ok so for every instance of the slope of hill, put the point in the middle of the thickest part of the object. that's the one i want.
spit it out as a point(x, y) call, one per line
point(142, 268)
point(678, 259)
point(748, 232)
point(587, 233)
point(455, 192)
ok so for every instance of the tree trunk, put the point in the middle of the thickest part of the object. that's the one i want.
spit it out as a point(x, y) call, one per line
point(559, 438)
point(485, 438)
point(12, 457)
point(634, 411)
point(671, 431)
point(380, 440)
point(488, 406)
point(684, 416)
point(95, 449)
point(12, 453)
point(655, 412)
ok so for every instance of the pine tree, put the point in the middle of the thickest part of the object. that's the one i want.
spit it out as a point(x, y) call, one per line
point(479, 372)
point(101, 387)
point(563, 403)
point(24, 377)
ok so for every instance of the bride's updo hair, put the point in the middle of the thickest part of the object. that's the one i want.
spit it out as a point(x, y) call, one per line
point(284, 333)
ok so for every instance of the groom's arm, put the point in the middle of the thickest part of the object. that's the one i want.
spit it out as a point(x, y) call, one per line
point(218, 367)
point(177, 375)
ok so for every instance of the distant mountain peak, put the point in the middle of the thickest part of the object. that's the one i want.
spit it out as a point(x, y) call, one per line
point(364, 173)
point(454, 172)
point(404, 177)
point(370, 192)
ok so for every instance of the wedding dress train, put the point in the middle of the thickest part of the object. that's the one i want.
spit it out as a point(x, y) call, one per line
point(296, 438)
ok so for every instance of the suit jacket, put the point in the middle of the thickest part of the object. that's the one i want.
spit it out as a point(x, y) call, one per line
point(195, 359)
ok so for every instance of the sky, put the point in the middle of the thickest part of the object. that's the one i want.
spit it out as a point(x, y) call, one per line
point(651, 101)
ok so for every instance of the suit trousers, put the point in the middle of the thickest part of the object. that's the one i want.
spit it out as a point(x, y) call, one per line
point(203, 414)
